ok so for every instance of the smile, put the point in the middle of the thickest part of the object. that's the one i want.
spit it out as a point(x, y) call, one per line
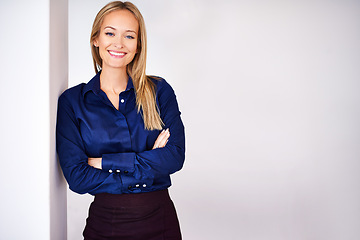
point(117, 54)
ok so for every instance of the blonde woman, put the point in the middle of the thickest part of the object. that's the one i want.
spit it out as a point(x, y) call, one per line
point(113, 134)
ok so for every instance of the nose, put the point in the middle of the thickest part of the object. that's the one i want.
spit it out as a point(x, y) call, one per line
point(118, 42)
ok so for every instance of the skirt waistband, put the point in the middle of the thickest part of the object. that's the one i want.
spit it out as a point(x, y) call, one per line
point(132, 199)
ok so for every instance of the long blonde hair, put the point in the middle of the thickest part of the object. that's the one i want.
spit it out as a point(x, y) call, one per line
point(144, 87)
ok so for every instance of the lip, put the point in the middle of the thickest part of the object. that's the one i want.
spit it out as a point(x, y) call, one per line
point(116, 54)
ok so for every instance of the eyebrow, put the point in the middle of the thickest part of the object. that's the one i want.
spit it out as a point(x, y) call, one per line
point(115, 29)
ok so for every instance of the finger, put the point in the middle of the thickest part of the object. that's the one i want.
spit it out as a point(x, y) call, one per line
point(158, 139)
point(161, 139)
point(165, 139)
point(165, 143)
point(161, 136)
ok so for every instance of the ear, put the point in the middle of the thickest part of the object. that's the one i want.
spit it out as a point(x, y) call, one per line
point(96, 43)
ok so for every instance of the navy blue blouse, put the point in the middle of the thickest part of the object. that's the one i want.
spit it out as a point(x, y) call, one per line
point(88, 125)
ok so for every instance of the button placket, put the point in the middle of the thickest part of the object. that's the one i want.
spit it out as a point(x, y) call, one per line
point(122, 101)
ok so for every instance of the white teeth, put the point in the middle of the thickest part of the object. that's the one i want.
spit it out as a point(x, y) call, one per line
point(116, 53)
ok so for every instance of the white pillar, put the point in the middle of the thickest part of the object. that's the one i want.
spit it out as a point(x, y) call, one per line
point(58, 83)
point(33, 63)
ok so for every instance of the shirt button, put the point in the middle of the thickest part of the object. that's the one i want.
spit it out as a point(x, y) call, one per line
point(122, 100)
point(144, 185)
point(137, 185)
point(118, 171)
point(126, 171)
point(129, 187)
point(110, 171)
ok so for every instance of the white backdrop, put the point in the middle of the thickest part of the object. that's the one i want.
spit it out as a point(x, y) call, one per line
point(269, 92)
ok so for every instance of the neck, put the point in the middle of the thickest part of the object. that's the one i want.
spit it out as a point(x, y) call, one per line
point(113, 79)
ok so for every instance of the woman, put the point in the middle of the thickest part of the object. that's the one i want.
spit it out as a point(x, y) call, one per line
point(113, 134)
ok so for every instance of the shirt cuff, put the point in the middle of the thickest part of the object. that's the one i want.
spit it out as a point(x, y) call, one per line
point(132, 185)
point(118, 162)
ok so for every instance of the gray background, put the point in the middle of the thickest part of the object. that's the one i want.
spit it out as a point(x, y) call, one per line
point(269, 92)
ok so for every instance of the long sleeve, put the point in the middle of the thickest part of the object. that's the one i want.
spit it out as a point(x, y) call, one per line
point(81, 177)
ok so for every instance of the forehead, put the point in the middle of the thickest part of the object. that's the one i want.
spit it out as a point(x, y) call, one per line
point(121, 20)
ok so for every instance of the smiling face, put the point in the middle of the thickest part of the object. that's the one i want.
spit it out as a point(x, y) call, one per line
point(118, 39)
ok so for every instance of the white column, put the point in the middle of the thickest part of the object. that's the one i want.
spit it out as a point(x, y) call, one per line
point(33, 63)
point(58, 83)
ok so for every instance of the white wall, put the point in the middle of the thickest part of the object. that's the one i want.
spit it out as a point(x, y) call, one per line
point(32, 188)
point(269, 96)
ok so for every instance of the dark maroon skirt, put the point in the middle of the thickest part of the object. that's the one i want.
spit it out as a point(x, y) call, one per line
point(138, 216)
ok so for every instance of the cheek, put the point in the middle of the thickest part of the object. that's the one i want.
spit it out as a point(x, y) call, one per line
point(134, 47)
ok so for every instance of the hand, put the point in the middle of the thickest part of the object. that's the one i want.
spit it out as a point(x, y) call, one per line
point(162, 139)
point(95, 162)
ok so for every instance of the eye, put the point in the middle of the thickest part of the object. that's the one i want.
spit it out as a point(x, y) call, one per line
point(110, 34)
point(129, 37)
